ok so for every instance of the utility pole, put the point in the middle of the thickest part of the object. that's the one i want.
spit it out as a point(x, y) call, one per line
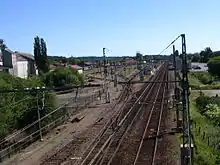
point(105, 78)
point(140, 66)
point(40, 108)
point(176, 92)
point(174, 64)
point(115, 75)
point(112, 72)
point(186, 147)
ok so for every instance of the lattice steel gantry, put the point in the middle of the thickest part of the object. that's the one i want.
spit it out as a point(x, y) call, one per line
point(187, 146)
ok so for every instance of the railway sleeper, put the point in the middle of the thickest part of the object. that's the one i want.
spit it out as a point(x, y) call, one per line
point(153, 132)
point(149, 102)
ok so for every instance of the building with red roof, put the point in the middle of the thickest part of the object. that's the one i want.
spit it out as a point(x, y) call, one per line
point(78, 68)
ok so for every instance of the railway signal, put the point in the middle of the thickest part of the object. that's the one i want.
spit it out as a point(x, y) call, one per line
point(107, 95)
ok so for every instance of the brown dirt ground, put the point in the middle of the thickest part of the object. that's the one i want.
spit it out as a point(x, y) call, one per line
point(32, 154)
point(53, 140)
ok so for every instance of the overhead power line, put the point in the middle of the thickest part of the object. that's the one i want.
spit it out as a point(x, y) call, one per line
point(169, 45)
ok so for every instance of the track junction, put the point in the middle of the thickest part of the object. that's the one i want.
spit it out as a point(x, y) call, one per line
point(130, 136)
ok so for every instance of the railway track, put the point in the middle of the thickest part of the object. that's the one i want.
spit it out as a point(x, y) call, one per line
point(128, 147)
point(108, 145)
point(104, 151)
point(147, 150)
point(62, 155)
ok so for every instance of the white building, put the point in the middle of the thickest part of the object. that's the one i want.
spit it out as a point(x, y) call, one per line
point(18, 64)
point(78, 68)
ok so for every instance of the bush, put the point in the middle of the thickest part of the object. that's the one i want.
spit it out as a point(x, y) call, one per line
point(62, 77)
point(19, 109)
point(212, 111)
point(210, 107)
point(214, 66)
point(203, 77)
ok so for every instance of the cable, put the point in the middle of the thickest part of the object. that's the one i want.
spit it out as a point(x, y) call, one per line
point(35, 122)
point(48, 88)
point(169, 45)
point(16, 103)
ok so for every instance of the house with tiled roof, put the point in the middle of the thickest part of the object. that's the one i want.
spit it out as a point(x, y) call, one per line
point(17, 63)
point(77, 67)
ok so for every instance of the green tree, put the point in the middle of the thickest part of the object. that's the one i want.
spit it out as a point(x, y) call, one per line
point(214, 66)
point(63, 77)
point(20, 109)
point(37, 52)
point(40, 55)
point(74, 61)
point(45, 61)
point(195, 57)
point(206, 54)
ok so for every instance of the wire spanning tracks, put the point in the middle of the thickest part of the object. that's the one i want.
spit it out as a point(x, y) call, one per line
point(100, 153)
point(147, 150)
point(72, 149)
point(126, 150)
point(61, 155)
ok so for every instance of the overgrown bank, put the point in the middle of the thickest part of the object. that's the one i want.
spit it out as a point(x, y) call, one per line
point(18, 109)
point(206, 130)
point(63, 77)
point(203, 81)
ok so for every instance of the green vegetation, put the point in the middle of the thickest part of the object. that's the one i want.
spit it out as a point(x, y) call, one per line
point(202, 81)
point(40, 55)
point(206, 132)
point(20, 109)
point(209, 107)
point(214, 66)
point(81, 60)
point(211, 58)
point(203, 56)
point(63, 77)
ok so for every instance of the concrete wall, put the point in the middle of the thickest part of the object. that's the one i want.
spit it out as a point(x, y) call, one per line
point(22, 67)
point(80, 71)
point(13, 71)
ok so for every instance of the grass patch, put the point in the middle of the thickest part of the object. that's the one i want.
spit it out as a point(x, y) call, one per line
point(202, 81)
point(207, 154)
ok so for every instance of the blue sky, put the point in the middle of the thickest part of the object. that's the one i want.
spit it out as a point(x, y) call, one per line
point(84, 27)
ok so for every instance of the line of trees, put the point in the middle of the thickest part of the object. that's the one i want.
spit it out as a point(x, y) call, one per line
point(203, 56)
point(211, 58)
point(40, 55)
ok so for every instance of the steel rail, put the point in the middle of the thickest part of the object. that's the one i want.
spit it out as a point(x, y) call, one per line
point(106, 129)
point(97, 139)
point(126, 130)
point(122, 121)
point(100, 133)
point(129, 127)
point(111, 140)
point(146, 128)
point(158, 127)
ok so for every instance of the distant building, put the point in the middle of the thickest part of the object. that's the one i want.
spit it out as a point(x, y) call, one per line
point(18, 63)
point(129, 62)
point(78, 68)
point(179, 63)
point(25, 65)
point(88, 65)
